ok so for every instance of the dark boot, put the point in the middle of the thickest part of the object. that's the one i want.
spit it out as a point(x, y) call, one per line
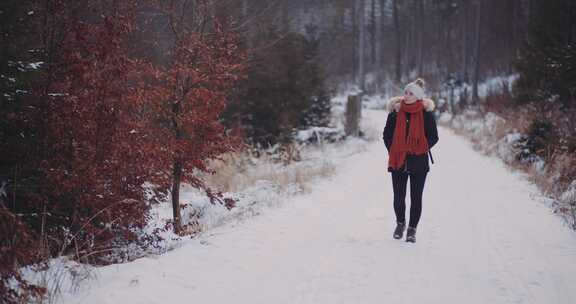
point(399, 231)
point(411, 235)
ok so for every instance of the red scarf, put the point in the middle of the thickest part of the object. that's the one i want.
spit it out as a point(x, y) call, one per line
point(416, 142)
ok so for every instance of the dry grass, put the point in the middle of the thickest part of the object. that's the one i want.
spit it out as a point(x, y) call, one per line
point(241, 170)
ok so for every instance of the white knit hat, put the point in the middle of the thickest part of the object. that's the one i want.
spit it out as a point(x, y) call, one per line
point(416, 88)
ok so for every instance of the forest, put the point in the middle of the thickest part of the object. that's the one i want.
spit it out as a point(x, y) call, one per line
point(102, 98)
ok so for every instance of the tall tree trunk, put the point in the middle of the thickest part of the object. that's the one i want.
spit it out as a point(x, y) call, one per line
point(285, 17)
point(420, 30)
point(465, 39)
point(439, 36)
point(362, 44)
point(176, 179)
point(373, 35)
point(398, 70)
point(245, 10)
point(408, 48)
point(355, 42)
point(511, 41)
point(448, 46)
point(380, 44)
point(478, 30)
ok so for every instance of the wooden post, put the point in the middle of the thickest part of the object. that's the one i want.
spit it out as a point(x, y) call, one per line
point(177, 176)
point(353, 115)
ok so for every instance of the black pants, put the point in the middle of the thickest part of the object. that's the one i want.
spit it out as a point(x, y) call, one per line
point(399, 181)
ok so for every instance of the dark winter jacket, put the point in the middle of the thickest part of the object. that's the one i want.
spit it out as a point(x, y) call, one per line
point(414, 163)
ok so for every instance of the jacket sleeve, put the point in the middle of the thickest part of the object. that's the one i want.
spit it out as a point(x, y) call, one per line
point(388, 133)
point(431, 129)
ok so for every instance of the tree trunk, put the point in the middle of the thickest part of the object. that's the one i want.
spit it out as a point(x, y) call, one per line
point(355, 42)
point(285, 17)
point(244, 8)
point(448, 46)
point(511, 41)
point(465, 40)
point(353, 114)
point(177, 170)
point(176, 178)
point(362, 44)
point(380, 38)
point(398, 72)
point(245, 11)
point(478, 30)
point(420, 31)
point(373, 35)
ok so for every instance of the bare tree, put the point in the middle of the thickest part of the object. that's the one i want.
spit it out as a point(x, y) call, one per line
point(398, 70)
point(431, 37)
point(420, 31)
point(373, 35)
point(465, 38)
point(379, 63)
point(361, 9)
point(477, 38)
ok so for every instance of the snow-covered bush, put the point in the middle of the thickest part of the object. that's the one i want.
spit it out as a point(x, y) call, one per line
point(319, 135)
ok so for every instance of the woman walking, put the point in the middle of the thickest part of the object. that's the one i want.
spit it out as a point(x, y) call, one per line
point(409, 134)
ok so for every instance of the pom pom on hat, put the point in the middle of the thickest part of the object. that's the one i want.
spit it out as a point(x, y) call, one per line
point(420, 82)
point(416, 88)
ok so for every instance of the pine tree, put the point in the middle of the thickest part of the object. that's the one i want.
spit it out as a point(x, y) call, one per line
point(548, 60)
point(284, 90)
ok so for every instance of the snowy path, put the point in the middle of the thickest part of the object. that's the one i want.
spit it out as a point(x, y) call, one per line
point(481, 239)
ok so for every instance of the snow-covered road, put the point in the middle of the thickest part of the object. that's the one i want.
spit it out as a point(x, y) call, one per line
point(481, 239)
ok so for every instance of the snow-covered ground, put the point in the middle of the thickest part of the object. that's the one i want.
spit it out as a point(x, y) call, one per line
point(484, 237)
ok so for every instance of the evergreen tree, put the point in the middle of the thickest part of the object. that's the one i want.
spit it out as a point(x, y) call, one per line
point(284, 89)
point(19, 63)
point(318, 112)
point(547, 64)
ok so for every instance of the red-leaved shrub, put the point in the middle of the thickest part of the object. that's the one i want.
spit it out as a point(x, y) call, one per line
point(185, 101)
point(95, 148)
point(100, 125)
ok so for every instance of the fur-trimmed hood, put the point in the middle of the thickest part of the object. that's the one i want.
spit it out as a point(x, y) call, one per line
point(394, 104)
